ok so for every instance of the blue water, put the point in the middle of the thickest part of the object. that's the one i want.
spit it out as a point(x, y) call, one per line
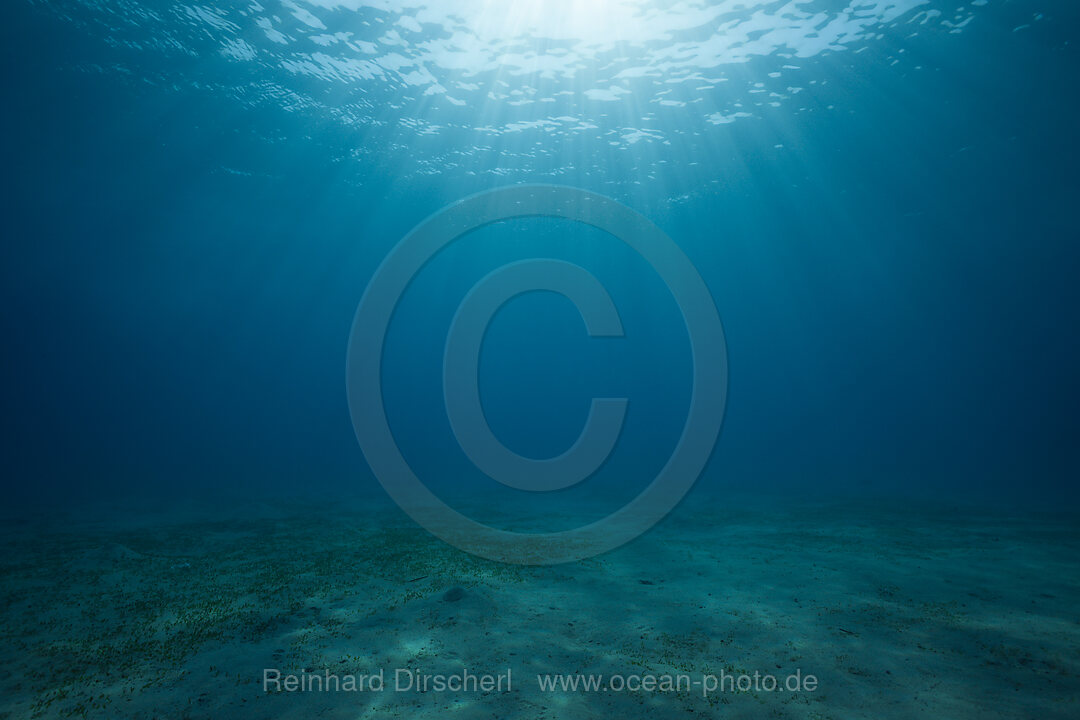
point(202, 205)
point(880, 197)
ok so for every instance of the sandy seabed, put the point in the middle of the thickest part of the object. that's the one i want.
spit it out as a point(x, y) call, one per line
point(894, 610)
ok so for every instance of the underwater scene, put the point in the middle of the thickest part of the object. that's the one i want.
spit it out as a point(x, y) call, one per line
point(531, 359)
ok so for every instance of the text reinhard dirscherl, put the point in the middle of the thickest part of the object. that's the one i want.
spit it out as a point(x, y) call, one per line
point(404, 680)
point(409, 680)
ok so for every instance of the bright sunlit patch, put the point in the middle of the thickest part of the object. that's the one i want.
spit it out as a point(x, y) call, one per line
point(592, 22)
